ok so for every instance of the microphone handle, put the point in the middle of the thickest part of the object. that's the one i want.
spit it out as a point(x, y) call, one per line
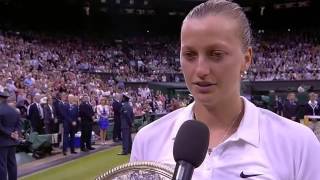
point(183, 171)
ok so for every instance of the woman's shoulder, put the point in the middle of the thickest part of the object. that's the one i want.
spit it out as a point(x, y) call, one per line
point(160, 125)
point(290, 132)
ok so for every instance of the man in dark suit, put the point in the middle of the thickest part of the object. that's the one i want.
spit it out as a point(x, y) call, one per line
point(291, 108)
point(86, 115)
point(69, 113)
point(9, 134)
point(127, 117)
point(35, 115)
point(57, 114)
point(116, 106)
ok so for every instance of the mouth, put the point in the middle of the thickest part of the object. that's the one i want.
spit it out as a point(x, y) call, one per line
point(204, 84)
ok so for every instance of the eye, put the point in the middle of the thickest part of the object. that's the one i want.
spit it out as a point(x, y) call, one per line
point(216, 55)
point(189, 55)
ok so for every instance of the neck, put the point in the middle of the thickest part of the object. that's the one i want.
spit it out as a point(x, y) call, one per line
point(220, 116)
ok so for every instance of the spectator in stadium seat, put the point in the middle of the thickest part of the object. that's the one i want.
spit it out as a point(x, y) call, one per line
point(247, 141)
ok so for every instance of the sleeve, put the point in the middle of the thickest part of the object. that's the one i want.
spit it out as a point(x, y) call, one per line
point(137, 152)
point(309, 157)
point(3, 130)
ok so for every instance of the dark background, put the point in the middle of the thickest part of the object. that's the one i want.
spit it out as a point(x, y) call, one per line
point(111, 18)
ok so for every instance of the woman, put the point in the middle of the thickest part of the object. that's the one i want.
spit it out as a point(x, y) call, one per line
point(103, 111)
point(245, 141)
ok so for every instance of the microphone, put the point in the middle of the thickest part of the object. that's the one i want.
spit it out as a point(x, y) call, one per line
point(190, 148)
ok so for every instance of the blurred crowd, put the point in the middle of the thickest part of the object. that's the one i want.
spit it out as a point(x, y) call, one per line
point(44, 65)
point(286, 56)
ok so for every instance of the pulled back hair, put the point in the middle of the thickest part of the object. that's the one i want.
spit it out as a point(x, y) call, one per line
point(226, 8)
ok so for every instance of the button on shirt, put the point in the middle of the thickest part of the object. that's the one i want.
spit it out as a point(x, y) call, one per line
point(264, 147)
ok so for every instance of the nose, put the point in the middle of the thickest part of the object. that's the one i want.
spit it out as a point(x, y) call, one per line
point(202, 67)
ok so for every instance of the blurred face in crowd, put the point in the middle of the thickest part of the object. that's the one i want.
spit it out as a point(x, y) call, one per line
point(37, 98)
point(313, 96)
point(291, 96)
point(212, 58)
point(103, 101)
point(71, 99)
point(64, 97)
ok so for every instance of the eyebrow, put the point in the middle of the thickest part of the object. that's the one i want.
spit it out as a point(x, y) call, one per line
point(219, 46)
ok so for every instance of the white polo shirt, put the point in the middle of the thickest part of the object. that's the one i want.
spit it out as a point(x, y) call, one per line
point(265, 145)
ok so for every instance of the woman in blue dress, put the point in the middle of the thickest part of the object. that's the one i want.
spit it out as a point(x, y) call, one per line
point(103, 112)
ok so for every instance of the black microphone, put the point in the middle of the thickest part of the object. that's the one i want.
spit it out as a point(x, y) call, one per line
point(190, 148)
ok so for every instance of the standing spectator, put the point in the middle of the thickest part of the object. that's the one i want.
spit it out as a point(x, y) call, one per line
point(35, 115)
point(69, 111)
point(9, 134)
point(86, 114)
point(48, 116)
point(127, 117)
point(116, 106)
point(278, 106)
point(103, 111)
point(312, 109)
point(290, 108)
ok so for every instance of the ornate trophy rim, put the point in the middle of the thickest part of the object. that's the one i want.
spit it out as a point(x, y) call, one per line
point(162, 169)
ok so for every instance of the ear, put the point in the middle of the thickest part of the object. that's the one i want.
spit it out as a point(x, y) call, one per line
point(247, 59)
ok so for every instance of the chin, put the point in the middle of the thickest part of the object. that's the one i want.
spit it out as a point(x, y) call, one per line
point(205, 99)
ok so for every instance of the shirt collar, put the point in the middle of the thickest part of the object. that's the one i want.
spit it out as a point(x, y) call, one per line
point(248, 129)
point(314, 103)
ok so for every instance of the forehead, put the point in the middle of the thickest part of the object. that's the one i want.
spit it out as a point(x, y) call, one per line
point(211, 29)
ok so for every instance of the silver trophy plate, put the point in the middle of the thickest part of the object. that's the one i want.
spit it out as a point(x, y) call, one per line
point(138, 171)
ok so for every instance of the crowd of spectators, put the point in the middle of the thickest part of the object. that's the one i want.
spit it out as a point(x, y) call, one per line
point(286, 56)
point(36, 63)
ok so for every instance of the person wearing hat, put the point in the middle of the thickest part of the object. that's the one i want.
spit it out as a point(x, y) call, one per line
point(126, 117)
point(9, 134)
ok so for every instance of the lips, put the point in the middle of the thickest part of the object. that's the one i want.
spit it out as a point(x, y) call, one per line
point(204, 83)
point(204, 86)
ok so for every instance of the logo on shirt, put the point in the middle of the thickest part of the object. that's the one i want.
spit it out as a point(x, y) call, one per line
point(242, 175)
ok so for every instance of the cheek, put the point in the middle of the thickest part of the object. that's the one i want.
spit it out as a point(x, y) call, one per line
point(229, 72)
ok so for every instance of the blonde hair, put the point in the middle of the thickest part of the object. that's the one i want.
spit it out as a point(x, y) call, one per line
point(227, 8)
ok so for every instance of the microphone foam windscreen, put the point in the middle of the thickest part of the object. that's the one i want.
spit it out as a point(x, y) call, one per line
point(191, 143)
